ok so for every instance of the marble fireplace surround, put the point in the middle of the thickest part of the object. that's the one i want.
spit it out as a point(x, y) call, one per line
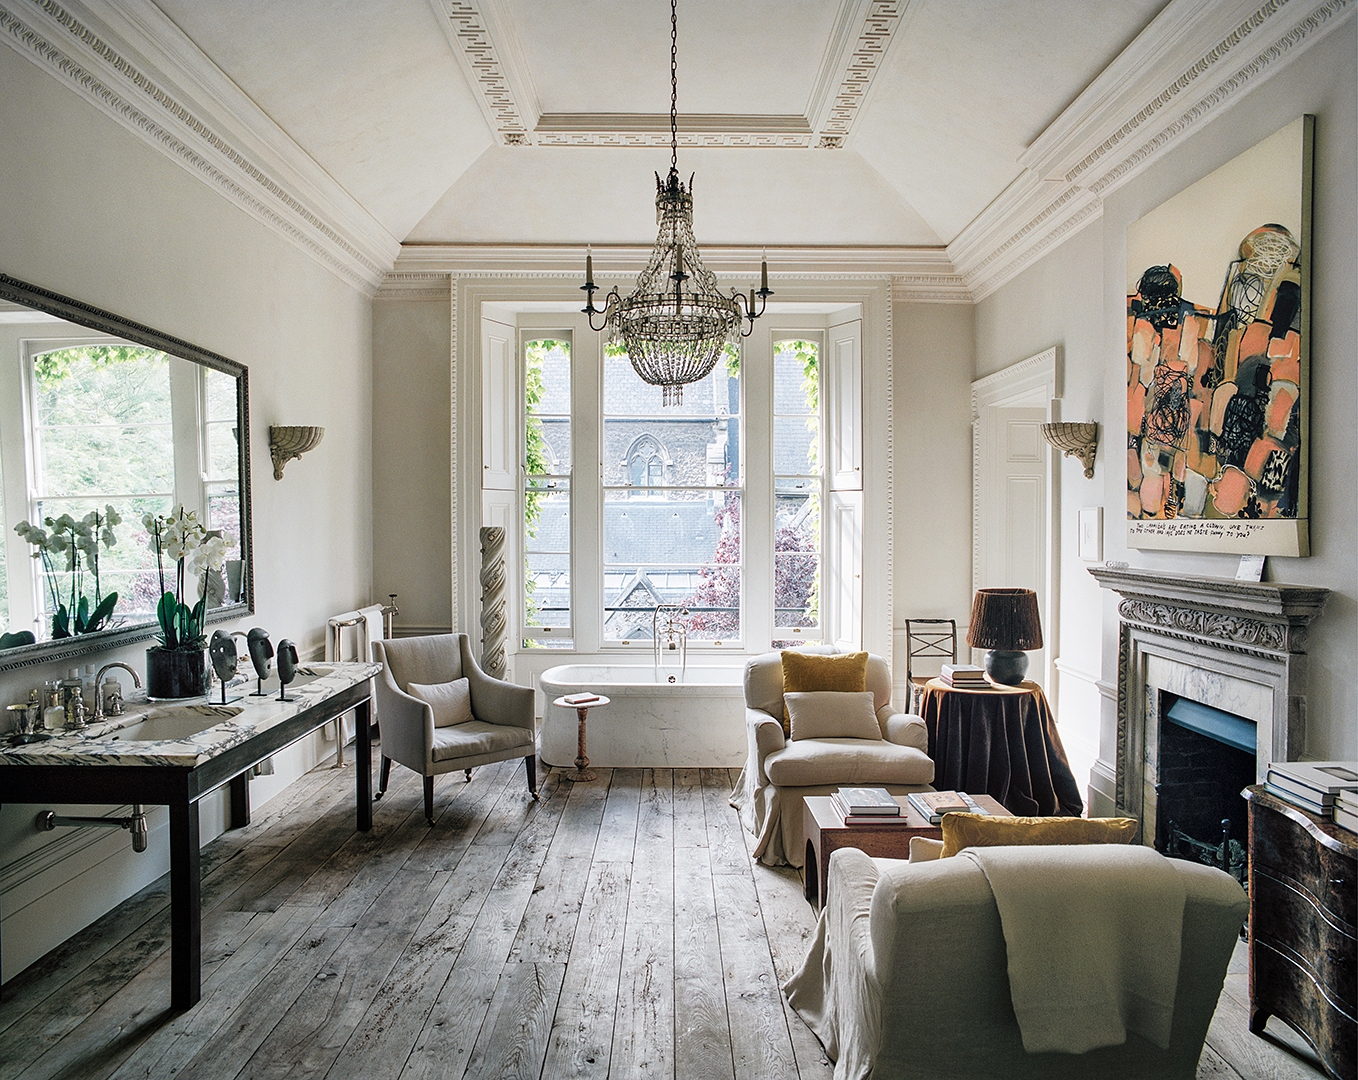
point(1238, 646)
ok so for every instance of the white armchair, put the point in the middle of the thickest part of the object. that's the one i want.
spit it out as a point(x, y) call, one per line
point(501, 714)
point(780, 772)
point(910, 973)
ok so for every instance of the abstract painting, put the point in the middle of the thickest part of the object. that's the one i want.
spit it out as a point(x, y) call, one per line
point(1217, 382)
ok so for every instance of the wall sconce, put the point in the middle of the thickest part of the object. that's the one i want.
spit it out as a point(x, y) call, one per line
point(286, 443)
point(1078, 439)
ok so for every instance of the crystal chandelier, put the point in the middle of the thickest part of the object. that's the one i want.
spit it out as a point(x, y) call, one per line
point(676, 322)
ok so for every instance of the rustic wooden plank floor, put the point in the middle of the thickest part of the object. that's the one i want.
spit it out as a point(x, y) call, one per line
point(614, 929)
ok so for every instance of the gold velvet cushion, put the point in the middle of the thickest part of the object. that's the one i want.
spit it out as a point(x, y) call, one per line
point(981, 830)
point(829, 714)
point(845, 673)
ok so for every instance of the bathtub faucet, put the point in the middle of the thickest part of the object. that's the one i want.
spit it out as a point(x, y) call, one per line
point(669, 636)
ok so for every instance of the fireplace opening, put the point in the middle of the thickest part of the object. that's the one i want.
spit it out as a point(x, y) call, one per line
point(1206, 758)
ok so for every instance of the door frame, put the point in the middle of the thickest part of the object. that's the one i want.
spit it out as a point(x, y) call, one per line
point(1031, 383)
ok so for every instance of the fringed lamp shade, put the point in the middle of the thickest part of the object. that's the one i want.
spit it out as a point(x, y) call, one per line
point(1006, 622)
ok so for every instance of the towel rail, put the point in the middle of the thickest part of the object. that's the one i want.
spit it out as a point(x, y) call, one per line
point(334, 650)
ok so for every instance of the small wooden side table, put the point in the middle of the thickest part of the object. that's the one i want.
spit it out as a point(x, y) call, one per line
point(581, 770)
point(826, 833)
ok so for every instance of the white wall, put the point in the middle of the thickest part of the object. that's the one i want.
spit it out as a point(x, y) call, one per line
point(1075, 298)
point(412, 481)
point(94, 213)
point(933, 346)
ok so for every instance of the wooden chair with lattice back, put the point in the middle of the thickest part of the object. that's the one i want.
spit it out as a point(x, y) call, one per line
point(927, 639)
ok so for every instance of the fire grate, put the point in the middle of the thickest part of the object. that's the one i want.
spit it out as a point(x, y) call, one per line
point(1228, 855)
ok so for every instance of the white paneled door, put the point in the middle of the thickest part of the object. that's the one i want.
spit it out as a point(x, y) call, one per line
point(1014, 532)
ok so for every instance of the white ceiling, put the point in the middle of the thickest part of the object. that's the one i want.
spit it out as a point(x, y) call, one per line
point(376, 92)
point(944, 129)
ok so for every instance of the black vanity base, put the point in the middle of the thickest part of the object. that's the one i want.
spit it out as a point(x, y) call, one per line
point(180, 788)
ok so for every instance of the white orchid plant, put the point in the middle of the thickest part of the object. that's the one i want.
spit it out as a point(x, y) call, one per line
point(195, 552)
point(70, 546)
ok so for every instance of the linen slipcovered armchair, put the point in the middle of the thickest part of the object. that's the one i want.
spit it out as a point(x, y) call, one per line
point(780, 772)
point(912, 972)
point(441, 726)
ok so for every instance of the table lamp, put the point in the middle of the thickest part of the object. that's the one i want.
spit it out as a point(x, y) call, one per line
point(1006, 622)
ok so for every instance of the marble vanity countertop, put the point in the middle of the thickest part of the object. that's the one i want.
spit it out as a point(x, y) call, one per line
point(240, 720)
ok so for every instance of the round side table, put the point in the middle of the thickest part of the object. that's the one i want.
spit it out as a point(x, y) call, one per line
point(581, 770)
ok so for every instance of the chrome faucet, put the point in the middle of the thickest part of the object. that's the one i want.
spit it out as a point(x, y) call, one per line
point(672, 637)
point(115, 706)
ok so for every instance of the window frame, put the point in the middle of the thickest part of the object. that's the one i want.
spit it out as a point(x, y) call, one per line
point(558, 637)
point(190, 484)
point(814, 634)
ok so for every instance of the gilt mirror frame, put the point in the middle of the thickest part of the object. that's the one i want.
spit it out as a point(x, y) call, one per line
point(81, 314)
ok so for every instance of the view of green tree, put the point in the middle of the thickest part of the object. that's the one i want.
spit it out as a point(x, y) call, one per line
point(537, 464)
point(104, 436)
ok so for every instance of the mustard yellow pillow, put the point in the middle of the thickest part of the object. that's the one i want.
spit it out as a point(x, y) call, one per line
point(981, 830)
point(845, 673)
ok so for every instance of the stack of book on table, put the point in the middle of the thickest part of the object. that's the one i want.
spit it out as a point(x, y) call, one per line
point(580, 699)
point(964, 676)
point(867, 806)
point(1317, 786)
point(932, 805)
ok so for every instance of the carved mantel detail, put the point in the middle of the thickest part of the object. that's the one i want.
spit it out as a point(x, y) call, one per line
point(1236, 645)
point(1229, 629)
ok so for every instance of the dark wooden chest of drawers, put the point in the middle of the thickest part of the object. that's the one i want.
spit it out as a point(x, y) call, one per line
point(1304, 927)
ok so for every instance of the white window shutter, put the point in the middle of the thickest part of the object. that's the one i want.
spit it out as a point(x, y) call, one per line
point(499, 406)
point(845, 405)
point(843, 571)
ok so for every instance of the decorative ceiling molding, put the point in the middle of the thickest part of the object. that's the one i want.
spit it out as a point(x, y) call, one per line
point(484, 40)
point(493, 63)
point(923, 275)
point(864, 33)
point(202, 127)
point(1109, 135)
point(653, 129)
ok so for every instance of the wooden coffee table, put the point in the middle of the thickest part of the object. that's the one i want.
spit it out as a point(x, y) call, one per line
point(826, 833)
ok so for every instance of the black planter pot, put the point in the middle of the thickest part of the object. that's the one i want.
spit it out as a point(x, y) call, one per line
point(175, 673)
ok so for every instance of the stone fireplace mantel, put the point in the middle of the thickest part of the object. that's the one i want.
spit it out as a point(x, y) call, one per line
point(1236, 645)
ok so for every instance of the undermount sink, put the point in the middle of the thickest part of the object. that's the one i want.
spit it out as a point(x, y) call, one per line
point(175, 722)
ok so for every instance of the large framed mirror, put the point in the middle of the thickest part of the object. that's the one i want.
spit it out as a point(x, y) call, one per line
point(102, 422)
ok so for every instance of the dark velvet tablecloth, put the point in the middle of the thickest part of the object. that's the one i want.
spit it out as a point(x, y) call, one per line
point(1001, 742)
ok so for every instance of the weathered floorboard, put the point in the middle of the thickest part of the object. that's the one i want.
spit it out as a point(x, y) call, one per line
point(617, 928)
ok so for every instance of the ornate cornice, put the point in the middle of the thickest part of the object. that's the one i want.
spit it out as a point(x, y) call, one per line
point(99, 70)
point(921, 275)
point(1039, 209)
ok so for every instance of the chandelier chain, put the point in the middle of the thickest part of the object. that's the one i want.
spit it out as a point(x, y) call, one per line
point(674, 86)
point(674, 336)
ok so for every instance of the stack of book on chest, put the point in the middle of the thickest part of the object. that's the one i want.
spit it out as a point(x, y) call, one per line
point(932, 805)
point(1318, 786)
point(964, 676)
point(1346, 810)
point(867, 806)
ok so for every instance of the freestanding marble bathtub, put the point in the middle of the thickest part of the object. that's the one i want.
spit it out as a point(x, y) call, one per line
point(698, 721)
